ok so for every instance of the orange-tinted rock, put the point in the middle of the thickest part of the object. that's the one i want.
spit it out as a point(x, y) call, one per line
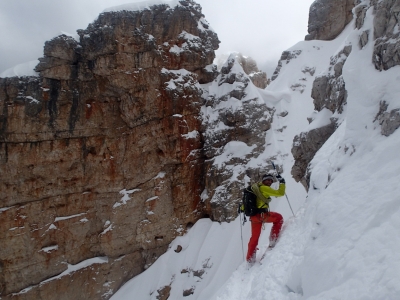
point(100, 156)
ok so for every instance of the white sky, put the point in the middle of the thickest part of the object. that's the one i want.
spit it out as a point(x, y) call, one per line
point(260, 29)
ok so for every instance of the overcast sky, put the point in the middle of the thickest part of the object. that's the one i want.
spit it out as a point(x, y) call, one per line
point(261, 29)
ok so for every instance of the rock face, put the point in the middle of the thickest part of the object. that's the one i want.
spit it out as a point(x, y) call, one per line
point(232, 119)
point(100, 156)
point(305, 146)
point(389, 120)
point(329, 89)
point(328, 92)
point(327, 18)
point(387, 55)
point(387, 34)
point(249, 66)
point(286, 57)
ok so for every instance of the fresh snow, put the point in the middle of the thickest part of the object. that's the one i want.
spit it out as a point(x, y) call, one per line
point(109, 227)
point(52, 227)
point(58, 219)
point(5, 208)
point(125, 197)
point(191, 135)
point(83, 264)
point(49, 249)
point(141, 5)
point(320, 119)
point(160, 175)
point(202, 264)
point(152, 199)
point(70, 268)
point(231, 150)
point(343, 242)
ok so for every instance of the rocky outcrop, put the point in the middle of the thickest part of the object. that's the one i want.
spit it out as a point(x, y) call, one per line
point(259, 79)
point(100, 156)
point(387, 35)
point(286, 57)
point(60, 58)
point(387, 55)
point(328, 92)
point(249, 65)
point(305, 146)
point(233, 122)
point(359, 14)
point(389, 120)
point(328, 18)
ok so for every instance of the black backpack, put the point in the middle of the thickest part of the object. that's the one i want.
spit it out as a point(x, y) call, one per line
point(250, 203)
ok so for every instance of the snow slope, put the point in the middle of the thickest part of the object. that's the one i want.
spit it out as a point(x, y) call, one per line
point(220, 246)
point(343, 242)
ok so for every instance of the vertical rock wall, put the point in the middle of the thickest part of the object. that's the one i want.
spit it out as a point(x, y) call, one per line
point(327, 18)
point(100, 156)
point(387, 55)
point(235, 117)
point(387, 34)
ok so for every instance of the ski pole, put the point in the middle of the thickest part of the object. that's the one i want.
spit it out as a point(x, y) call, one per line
point(241, 232)
point(285, 192)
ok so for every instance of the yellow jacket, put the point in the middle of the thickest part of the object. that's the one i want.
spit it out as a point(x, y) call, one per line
point(264, 193)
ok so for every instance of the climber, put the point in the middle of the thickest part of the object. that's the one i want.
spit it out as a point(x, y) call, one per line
point(264, 192)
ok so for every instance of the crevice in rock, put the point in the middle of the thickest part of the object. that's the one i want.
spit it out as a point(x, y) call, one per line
point(55, 86)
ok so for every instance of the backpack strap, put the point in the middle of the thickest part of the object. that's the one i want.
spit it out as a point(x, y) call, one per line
point(256, 190)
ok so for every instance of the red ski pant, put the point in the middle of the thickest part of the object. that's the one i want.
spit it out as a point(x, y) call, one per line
point(256, 225)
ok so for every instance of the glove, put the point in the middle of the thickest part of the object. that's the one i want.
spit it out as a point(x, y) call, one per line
point(280, 179)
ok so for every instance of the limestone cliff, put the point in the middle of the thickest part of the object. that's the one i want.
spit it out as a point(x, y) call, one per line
point(126, 139)
point(235, 119)
point(101, 156)
point(327, 18)
point(329, 88)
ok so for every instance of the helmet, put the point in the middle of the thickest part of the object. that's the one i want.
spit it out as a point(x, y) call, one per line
point(267, 176)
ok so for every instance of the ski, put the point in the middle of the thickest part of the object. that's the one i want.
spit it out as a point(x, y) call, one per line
point(265, 252)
